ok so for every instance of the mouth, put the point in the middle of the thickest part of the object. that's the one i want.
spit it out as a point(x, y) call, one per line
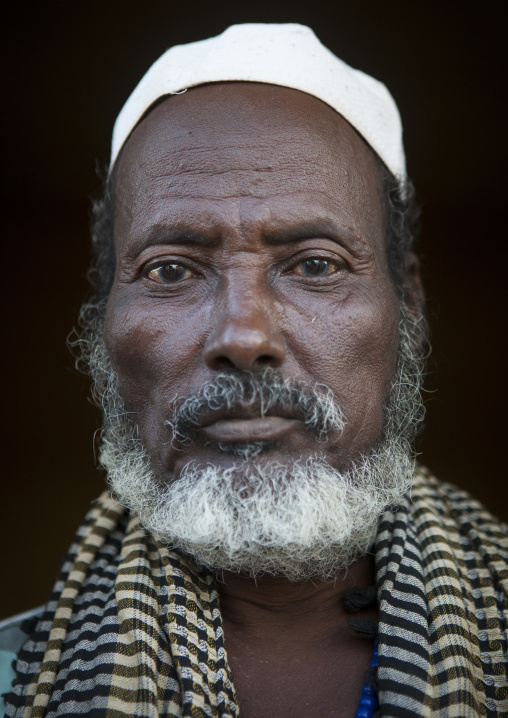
point(244, 430)
point(246, 424)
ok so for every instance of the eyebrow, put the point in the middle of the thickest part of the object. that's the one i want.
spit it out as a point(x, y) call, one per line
point(325, 229)
point(160, 235)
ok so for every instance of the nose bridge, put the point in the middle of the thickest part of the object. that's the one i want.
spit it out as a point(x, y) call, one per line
point(245, 334)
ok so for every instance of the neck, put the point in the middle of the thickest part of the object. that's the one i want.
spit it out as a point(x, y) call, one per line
point(251, 605)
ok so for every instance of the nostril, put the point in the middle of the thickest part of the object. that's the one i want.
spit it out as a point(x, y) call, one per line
point(223, 362)
point(265, 360)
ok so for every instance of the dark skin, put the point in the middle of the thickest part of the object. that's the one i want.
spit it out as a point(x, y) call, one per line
point(249, 232)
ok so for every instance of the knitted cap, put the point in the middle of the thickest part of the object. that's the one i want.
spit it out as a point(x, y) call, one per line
point(289, 55)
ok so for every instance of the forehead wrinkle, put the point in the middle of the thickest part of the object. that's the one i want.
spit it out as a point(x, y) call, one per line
point(290, 158)
point(258, 156)
point(278, 178)
point(250, 177)
point(203, 161)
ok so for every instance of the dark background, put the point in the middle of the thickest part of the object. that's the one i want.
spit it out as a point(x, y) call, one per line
point(70, 66)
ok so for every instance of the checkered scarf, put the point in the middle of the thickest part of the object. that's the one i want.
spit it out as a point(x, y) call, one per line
point(133, 628)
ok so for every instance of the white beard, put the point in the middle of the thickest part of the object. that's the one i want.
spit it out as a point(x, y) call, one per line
point(299, 521)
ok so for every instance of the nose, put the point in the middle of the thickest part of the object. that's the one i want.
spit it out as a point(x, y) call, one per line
point(245, 336)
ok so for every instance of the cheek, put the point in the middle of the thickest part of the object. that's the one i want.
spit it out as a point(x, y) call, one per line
point(151, 351)
point(357, 332)
point(352, 347)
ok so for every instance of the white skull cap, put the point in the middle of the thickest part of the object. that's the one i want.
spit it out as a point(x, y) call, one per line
point(288, 55)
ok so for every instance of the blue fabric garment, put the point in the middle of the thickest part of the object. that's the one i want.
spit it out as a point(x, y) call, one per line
point(6, 675)
point(12, 638)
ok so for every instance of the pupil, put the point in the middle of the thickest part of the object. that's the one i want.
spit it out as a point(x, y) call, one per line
point(315, 267)
point(172, 272)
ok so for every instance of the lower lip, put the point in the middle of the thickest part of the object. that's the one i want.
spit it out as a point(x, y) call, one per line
point(268, 428)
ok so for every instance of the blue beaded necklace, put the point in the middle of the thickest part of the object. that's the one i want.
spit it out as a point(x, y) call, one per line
point(369, 701)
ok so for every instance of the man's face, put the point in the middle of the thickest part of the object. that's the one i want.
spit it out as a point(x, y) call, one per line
point(249, 232)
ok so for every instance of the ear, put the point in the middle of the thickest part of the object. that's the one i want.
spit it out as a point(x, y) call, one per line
point(414, 294)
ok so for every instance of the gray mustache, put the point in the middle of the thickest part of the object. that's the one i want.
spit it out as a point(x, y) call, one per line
point(264, 391)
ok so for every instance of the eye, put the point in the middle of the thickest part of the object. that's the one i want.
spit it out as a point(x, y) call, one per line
point(169, 273)
point(315, 267)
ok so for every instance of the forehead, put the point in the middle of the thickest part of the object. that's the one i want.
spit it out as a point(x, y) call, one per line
point(258, 152)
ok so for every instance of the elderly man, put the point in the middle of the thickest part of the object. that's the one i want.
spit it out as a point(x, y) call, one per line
point(256, 336)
